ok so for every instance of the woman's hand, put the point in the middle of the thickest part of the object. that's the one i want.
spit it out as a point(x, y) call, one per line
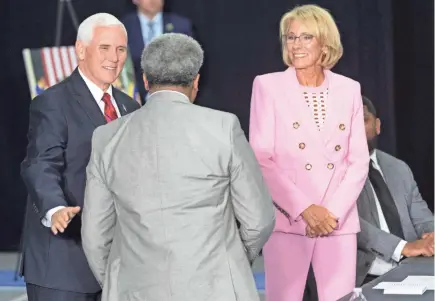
point(320, 222)
point(310, 232)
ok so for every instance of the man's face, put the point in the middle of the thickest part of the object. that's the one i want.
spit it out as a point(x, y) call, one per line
point(373, 129)
point(150, 6)
point(103, 58)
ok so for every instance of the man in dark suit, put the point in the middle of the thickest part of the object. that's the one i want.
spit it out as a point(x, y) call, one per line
point(395, 220)
point(148, 22)
point(62, 120)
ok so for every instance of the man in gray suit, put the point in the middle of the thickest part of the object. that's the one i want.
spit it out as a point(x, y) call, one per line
point(395, 220)
point(167, 185)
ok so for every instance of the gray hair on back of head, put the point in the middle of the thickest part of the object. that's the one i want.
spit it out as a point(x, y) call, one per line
point(172, 59)
point(85, 31)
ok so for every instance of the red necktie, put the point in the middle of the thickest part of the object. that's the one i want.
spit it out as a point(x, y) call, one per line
point(109, 109)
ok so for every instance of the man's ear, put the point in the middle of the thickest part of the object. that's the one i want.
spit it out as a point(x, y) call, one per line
point(378, 126)
point(196, 83)
point(145, 81)
point(80, 50)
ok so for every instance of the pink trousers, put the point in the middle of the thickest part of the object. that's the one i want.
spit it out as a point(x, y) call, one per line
point(287, 259)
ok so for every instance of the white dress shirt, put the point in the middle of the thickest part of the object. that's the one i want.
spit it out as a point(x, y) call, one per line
point(97, 93)
point(157, 25)
point(380, 266)
point(171, 91)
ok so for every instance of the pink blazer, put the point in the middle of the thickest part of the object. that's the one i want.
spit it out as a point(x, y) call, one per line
point(304, 166)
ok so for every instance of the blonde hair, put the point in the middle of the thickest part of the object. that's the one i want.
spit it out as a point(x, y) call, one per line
point(321, 25)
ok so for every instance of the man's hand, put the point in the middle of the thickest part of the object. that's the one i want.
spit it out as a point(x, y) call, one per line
point(421, 247)
point(428, 236)
point(320, 221)
point(62, 217)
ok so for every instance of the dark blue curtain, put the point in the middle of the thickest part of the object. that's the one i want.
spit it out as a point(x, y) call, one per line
point(414, 90)
point(241, 40)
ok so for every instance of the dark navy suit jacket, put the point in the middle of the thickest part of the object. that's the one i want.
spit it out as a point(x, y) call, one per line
point(171, 23)
point(62, 120)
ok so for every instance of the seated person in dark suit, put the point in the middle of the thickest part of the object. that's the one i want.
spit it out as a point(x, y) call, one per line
point(148, 22)
point(395, 220)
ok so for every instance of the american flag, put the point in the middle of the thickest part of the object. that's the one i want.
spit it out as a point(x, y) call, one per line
point(58, 63)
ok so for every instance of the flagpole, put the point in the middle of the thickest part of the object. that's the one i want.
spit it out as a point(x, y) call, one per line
point(59, 19)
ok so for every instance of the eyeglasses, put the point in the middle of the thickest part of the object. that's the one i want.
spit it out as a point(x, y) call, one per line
point(303, 38)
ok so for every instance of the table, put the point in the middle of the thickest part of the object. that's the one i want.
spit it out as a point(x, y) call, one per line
point(417, 266)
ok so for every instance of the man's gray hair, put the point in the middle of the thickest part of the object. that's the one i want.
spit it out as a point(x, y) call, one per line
point(172, 59)
point(85, 31)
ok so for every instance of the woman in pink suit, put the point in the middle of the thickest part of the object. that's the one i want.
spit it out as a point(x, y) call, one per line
point(307, 131)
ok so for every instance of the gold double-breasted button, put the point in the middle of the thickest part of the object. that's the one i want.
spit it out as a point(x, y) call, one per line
point(330, 166)
point(338, 147)
point(342, 127)
point(296, 125)
point(308, 166)
point(301, 145)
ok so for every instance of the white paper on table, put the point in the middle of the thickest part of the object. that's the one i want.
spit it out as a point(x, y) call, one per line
point(400, 288)
point(428, 281)
point(385, 285)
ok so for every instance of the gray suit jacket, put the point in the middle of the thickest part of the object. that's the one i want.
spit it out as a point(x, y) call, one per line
point(415, 216)
point(166, 186)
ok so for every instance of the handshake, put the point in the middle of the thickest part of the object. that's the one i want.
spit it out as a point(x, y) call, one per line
point(320, 222)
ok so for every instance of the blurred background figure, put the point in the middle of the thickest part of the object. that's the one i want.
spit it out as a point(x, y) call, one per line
point(395, 220)
point(147, 23)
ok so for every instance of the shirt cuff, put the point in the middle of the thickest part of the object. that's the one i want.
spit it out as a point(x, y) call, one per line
point(46, 221)
point(397, 255)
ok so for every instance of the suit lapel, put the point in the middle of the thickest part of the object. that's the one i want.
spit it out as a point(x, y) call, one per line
point(333, 107)
point(168, 26)
point(371, 202)
point(296, 103)
point(136, 38)
point(123, 110)
point(84, 97)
